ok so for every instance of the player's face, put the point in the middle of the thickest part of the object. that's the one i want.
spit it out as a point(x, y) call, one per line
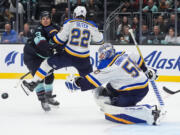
point(45, 21)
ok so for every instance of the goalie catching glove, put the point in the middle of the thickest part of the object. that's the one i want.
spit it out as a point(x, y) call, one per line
point(151, 74)
point(71, 83)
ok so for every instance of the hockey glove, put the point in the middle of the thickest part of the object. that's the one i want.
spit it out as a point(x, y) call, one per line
point(51, 31)
point(71, 83)
point(151, 74)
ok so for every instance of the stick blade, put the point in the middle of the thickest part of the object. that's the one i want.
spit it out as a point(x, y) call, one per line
point(170, 91)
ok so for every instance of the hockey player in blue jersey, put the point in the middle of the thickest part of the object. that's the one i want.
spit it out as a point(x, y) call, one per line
point(120, 82)
point(76, 34)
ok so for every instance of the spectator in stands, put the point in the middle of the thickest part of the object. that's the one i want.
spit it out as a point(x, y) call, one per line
point(25, 34)
point(164, 6)
point(4, 4)
point(172, 21)
point(151, 7)
point(8, 16)
point(127, 7)
point(135, 25)
point(170, 37)
point(64, 17)
point(12, 7)
point(10, 35)
point(92, 10)
point(156, 37)
point(160, 22)
point(75, 3)
point(124, 23)
point(145, 33)
point(33, 7)
point(135, 4)
point(125, 36)
point(54, 16)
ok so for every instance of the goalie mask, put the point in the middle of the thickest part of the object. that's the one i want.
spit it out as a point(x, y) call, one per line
point(106, 51)
point(79, 11)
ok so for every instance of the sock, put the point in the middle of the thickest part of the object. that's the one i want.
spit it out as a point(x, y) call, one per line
point(42, 71)
point(48, 87)
point(39, 87)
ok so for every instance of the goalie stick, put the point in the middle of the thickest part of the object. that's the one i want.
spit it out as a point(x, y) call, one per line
point(170, 91)
point(154, 86)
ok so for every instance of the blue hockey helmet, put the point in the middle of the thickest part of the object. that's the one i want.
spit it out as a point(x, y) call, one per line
point(106, 51)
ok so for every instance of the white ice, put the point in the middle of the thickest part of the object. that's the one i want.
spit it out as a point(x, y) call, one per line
point(78, 114)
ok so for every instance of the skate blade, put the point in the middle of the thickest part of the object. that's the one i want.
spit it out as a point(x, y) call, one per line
point(46, 110)
point(26, 90)
point(54, 106)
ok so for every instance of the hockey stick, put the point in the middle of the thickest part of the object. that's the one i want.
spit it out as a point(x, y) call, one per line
point(21, 78)
point(170, 91)
point(155, 88)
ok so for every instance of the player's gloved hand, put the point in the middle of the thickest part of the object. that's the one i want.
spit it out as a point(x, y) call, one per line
point(151, 73)
point(71, 83)
point(51, 31)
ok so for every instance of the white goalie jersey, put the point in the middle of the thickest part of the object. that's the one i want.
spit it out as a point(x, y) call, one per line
point(78, 34)
point(122, 72)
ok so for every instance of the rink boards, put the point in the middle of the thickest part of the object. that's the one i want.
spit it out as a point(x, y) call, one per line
point(166, 59)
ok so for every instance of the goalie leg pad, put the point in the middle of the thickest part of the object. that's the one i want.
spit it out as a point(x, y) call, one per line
point(132, 115)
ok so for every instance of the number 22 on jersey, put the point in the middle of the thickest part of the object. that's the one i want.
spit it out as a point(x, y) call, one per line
point(80, 37)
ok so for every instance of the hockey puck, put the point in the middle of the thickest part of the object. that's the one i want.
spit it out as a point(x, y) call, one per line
point(4, 95)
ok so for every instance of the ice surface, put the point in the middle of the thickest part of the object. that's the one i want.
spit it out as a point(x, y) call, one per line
point(78, 114)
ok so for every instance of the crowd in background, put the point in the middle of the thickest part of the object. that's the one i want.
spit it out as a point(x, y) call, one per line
point(159, 24)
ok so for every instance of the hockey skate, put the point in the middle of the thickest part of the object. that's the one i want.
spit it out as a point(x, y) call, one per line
point(28, 85)
point(44, 102)
point(45, 105)
point(50, 99)
point(157, 114)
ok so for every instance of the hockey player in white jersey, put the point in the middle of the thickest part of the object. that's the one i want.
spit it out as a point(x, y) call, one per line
point(120, 82)
point(74, 37)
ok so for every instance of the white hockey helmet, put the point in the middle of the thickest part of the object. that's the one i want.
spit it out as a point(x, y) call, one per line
point(79, 11)
point(106, 51)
